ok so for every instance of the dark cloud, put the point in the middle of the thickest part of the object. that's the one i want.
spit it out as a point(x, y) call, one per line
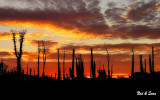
point(111, 4)
point(5, 34)
point(143, 11)
point(85, 16)
point(114, 14)
point(3, 54)
point(141, 20)
point(136, 31)
point(69, 14)
point(47, 42)
point(122, 46)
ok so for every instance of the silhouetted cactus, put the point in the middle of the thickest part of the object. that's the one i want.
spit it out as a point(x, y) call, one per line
point(44, 58)
point(111, 70)
point(30, 72)
point(102, 74)
point(34, 71)
point(59, 69)
point(18, 53)
point(55, 76)
point(23, 71)
point(108, 58)
point(150, 64)
point(27, 70)
point(72, 69)
point(93, 68)
point(3, 67)
point(152, 59)
point(141, 64)
point(38, 58)
point(145, 66)
point(51, 76)
point(132, 62)
point(64, 65)
point(79, 67)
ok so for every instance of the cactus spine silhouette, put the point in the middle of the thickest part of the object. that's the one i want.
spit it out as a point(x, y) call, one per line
point(18, 53)
point(132, 62)
point(145, 66)
point(2, 66)
point(64, 65)
point(72, 69)
point(152, 59)
point(38, 58)
point(111, 70)
point(79, 67)
point(34, 71)
point(150, 64)
point(55, 76)
point(27, 69)
point(93, 68)
point(30, 71)
point(44, 58)
point(59, 70)
point(108, 58)
point(141, 64)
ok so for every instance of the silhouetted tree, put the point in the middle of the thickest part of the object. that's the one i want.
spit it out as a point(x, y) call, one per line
point(18, 53)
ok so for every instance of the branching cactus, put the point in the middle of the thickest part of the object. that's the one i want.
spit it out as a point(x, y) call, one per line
point(18, 54)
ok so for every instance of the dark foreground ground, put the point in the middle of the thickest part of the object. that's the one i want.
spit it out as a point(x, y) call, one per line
point(80, 89)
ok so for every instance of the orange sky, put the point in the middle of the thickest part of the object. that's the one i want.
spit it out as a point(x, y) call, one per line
point(81, 25)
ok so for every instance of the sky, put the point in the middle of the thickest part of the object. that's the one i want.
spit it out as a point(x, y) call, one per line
point(82, 25)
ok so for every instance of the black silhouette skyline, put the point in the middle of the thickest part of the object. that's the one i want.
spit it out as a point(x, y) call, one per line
point(78, 67)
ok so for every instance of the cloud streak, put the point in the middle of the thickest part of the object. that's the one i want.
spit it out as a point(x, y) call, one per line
point(85, 17)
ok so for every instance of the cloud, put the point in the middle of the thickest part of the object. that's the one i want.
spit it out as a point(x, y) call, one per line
point(47, 42)
point(113, 47)
point(141, 20)
point(3, 54)
point(114, 14)
point(75, 15)
point(142, 11)
point(5, 35)
point(85, 17)
point(136, 31)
